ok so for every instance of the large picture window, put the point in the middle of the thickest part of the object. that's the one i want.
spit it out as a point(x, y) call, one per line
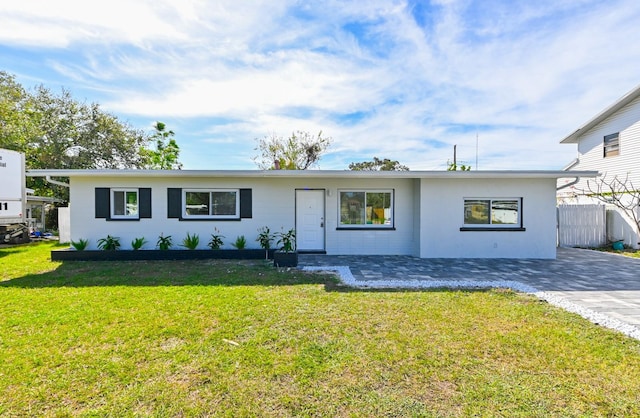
point(494, 213)
point(124, 204)
point(219, 203)
point(366, 208)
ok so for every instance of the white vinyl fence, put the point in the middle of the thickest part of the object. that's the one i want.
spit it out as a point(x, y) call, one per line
point(582, 226)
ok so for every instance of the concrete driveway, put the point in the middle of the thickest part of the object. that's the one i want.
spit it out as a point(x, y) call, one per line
point(602, 287)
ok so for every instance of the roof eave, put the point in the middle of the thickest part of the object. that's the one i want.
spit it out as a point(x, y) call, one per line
point(619, 104)
point(312, 173)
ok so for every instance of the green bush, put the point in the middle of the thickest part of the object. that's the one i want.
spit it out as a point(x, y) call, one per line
point(109, 243)
point(80, 245)
point(191, 242)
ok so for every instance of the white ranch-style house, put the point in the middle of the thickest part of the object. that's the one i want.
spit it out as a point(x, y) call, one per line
point(610, 144)
point(428, 214)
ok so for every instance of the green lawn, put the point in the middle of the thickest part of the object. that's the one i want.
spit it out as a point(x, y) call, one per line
point(629, 252)
point(217, 338)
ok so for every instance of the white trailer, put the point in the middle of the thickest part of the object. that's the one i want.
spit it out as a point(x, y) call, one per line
point(13, 198)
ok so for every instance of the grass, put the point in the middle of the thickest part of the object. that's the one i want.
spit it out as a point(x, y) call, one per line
point(216, 338)
point(629, 252)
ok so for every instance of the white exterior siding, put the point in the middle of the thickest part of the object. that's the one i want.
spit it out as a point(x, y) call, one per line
point(591, 153)
point(442, 212)
point(624, 120)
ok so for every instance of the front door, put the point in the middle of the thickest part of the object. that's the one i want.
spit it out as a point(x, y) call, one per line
point(310, 220)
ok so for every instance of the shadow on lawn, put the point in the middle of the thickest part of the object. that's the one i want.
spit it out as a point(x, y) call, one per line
point(168, 273)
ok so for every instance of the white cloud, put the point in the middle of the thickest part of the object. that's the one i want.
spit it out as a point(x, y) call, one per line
point(524, 74)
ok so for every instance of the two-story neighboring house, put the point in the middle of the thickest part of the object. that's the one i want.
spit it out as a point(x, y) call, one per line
point(610, 144)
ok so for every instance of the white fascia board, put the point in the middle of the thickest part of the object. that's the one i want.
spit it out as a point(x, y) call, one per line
point(622, 102)
point(314, 174)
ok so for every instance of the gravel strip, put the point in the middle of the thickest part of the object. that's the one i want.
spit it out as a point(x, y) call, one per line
point(344, 273)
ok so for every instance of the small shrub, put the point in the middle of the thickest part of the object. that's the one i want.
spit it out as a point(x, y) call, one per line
point(191, 242)
point(287, 240)
point(264, 238)
point(109, 243)
point(138, 243)
point(80, 245)
point(164, 243)
point(216, 240)
point(241, 243)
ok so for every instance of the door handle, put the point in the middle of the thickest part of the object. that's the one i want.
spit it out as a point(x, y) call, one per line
point(321, 224)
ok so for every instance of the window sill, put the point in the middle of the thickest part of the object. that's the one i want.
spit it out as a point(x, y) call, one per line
point(365, 228)
point(205, 219)
point(122, 219)
point(492, 229)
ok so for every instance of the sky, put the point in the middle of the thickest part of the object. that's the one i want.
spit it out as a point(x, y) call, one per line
point(504, 81)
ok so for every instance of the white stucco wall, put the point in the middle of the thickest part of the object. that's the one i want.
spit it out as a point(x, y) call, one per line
point(442, 214)
point(428, 214)
point(273, 206)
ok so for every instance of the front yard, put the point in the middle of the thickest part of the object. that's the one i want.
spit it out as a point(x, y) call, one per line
point(232, 338)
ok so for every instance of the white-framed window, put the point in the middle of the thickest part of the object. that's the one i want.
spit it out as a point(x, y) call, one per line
point(211, 203)
point(365, 208)
point(611, 145)
point(493, 212)
point(124, 204)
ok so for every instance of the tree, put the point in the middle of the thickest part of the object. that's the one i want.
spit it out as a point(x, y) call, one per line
point(298, 152)
point(16, 124)
point(455, 167)
point(620, 193)
point(378, 165)
point(55, 131)
point(166, 153)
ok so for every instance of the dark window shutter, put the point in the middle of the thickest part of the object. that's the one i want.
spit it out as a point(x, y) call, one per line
point(144, 202)
point(246, 204)
point(174, 203)
point(103, 203)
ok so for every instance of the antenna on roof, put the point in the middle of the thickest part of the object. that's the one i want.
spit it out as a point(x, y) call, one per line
point(476, 149)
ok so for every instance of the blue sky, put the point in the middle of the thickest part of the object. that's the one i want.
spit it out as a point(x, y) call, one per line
point(392, 79)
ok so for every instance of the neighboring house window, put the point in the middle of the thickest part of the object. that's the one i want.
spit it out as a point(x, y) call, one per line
point(485, 213)
point(612, 145)
point(124, 203)
point(218, 203)
point(366, 208)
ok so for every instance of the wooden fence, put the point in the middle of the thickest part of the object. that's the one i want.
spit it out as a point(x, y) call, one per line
point(582, 226)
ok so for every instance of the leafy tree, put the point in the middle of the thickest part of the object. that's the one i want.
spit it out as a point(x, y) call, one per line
point(378, 165)
point(166, 152)
point(16, 124)
point(298, 152)
point(55, 131)
point(455, 167)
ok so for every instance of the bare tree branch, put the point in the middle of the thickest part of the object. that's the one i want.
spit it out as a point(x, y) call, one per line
point(619, 193)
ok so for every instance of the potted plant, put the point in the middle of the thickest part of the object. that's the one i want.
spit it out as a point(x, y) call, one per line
point(138, 243)
point(216, 240)
point(164, 243)
point(191, 242)
point(241, 242)
point(109, 243)
point(286, 256)
point(80, 245)
point(264, 238)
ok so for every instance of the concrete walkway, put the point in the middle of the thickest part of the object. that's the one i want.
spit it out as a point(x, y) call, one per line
point(602, 287)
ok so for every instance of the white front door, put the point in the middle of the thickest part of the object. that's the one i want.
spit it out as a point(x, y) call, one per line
point(310, 220)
